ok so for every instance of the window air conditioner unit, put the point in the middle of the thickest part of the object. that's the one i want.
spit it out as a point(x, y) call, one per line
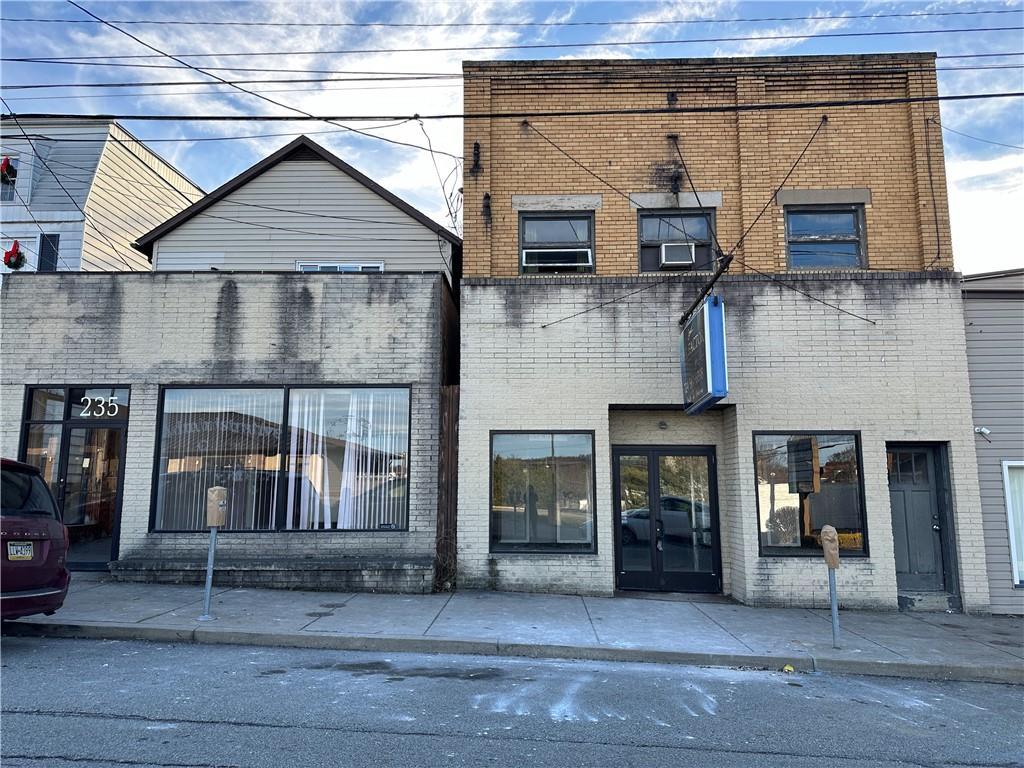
point(561, 257)
point(677, 254)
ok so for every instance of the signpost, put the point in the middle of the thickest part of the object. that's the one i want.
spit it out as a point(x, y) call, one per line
point(703, 357)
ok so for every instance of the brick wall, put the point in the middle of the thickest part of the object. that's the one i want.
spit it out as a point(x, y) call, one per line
point(795, 364)
point(744, 155)
point(152, 329)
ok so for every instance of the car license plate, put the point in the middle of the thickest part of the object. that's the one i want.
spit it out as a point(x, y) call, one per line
point(19, 550)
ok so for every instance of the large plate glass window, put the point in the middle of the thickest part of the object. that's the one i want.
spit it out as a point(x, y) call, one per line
point(219, 437)
point(678, 240)
point(348, 459)
point(556, 242)
point(825, 237)
point(806, 480)
point(542, 491)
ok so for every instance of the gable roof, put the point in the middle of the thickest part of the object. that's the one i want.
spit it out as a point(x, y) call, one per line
point(300, 147)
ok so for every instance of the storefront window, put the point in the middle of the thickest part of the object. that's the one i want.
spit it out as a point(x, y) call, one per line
point(219, 437)
point(542, 492)
point(348, 458)
point(804, 482)
point(1013, 482)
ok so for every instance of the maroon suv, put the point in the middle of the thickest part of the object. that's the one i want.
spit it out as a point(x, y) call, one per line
point(33, 573)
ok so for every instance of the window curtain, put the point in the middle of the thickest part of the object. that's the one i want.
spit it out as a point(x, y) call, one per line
point(1015, 508)
point(347, 456)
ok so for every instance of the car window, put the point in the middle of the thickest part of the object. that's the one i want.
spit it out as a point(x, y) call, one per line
point(25, 493)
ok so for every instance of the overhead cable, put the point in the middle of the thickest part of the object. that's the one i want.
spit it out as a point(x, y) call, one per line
point(508, 47)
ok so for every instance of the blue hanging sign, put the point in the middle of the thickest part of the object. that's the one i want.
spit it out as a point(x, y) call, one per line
point(703, 358)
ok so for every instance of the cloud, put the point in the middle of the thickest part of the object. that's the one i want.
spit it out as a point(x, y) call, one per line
point(985, 201)
point(796, 33)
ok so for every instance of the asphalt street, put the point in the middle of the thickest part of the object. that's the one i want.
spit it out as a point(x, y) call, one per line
point(97, 703)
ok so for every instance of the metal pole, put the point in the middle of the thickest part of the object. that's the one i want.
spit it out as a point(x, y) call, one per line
point(835, 606)
point(209, 575)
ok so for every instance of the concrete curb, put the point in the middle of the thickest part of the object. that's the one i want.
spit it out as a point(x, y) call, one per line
point(210, 634)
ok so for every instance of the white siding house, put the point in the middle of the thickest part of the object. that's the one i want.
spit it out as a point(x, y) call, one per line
point(302, 209)
point(994, 317)
point(83, 191)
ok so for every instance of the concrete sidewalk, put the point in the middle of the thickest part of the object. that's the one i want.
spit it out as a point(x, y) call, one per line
point(919, 645)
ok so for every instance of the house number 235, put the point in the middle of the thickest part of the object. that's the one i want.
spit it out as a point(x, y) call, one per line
point(98, 407)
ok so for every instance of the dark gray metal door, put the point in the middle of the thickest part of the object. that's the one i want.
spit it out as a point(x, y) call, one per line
point(916, 518)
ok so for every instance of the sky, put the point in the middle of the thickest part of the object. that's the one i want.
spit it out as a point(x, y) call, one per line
point(986, 179)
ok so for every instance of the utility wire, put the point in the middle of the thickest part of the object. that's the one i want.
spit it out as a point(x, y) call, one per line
point(703, 109)
point(458, 24)
point(437, 170)
point(729, 257)
point(508, 47)
point(237, 87)
point(975, 138)
point(42, 232)
point(722, 67)
point(70, 197)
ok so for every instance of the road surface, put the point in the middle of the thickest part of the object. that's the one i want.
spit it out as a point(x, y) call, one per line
point(89, 703)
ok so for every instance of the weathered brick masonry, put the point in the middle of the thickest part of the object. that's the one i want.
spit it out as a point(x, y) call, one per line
point(259, 329)
point(743, 155)
point(795, 364)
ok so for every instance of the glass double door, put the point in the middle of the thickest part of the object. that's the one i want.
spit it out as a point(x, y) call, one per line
point(83, 467)
point(666, 519)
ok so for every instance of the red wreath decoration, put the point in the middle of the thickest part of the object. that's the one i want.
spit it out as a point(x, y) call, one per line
point(5, 169)
point(14, 258)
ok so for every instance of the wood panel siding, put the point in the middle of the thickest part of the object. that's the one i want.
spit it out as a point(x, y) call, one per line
point(133, 191)
point(303, 209)
point(995, 355)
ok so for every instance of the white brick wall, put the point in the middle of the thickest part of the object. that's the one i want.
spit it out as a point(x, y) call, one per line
point(148, 329)
point(795, 364)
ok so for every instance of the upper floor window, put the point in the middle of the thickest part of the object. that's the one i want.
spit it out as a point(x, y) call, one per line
point(373, 266)
point(8, 179)
point(825, 237)
point(562, 242)
point(676, 240)
point(49, 250)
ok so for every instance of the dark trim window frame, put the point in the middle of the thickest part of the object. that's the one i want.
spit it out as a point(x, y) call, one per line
point(649, 248)
point(280, 508)
point(564, 255)
point(577, 547)
point(49, 252)
point(846, 247)
point(801, 486)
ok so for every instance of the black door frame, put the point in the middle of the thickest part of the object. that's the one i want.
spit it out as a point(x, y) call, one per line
point(659, 581)
point(70, 421)
point(944, 501)
point(65, 451)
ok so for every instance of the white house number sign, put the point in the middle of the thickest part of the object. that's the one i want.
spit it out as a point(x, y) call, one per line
point(98, 407)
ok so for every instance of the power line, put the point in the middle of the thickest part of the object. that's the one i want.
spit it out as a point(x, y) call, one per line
point(676, 110)
point(725, 263)
point(724, 66)
point(458, 24)
point(238, 87)
point(381, 88)
point(975, 138)
point(508, 47)
point(123, 95)
point(310, 214)
point(70, 197)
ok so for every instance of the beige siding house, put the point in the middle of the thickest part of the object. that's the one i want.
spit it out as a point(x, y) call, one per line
point(301, 209)
point(994, 317)
point(82, 192)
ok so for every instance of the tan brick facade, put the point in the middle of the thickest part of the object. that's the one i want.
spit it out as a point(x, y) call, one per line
point(599, 352)
point(742, 154)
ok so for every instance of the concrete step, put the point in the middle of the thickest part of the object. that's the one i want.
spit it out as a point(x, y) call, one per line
point(932, 602)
